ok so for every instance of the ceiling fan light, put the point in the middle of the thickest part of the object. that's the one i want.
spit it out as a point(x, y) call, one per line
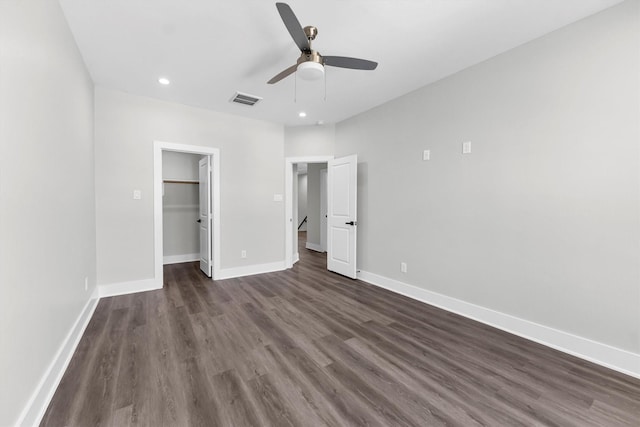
point(310, 70)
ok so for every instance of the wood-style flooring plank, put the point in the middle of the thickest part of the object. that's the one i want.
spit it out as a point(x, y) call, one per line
point(61, 407)
point(100, 382)
point(235, 407)
point(307, 347)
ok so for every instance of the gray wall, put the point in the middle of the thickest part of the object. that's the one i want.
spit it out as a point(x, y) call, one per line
point(251, 172)
point(309, 140)
point(180, 205)
point(302, 200)
point(541, 221)
point(47, 213)
point(177, 165)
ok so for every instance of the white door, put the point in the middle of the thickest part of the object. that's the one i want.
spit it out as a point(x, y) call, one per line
point(206, 254)
point(323, 209)
point(342, 216)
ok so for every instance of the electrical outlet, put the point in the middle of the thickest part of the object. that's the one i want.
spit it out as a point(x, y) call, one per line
point(86, 283)
point(403, 267)
point(243, 254)
point(137, 194)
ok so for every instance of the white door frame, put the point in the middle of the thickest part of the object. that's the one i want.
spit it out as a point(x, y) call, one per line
point(288, 210)
point(214, 153)
point(323, 208)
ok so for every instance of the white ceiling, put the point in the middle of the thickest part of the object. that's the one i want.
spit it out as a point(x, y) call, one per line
point(210, 49)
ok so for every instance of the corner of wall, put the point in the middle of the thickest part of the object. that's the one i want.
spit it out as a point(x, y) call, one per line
point(125, 288)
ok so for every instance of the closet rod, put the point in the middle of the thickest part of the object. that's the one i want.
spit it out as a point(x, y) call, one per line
point(179, 181)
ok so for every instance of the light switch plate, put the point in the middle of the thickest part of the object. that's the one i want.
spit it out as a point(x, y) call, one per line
point(466, 147)
point(277, 197)
point(426, 155)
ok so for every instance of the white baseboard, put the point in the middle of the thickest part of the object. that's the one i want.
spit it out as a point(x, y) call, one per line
point(39, 401)
point(248, 270)
point(584, 348)
point(296, 257)
point(177, 259)
point(314, 247)
point(124, 288)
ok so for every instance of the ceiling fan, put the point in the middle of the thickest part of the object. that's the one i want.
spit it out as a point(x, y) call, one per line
point(310, 64)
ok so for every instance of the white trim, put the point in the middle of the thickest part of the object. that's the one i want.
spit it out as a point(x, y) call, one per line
point(177, 259)
point(296, 257)
point(96, 293)
point(314, 247)
point(158, 148)
point(584, 348)
point(288, 210)
point(324, 213)
point(125, 288)
point(41, 397)
point(249, 270)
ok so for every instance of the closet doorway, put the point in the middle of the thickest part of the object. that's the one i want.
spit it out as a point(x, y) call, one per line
point(180, 207)
point(186, 206)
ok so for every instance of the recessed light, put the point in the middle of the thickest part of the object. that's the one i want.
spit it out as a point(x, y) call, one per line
point(163, 81)
point(302, 114)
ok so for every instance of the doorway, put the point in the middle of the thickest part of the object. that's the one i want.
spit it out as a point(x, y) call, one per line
point(213, 158)
point(313, 224)
point(342, 221)
point(180, 207)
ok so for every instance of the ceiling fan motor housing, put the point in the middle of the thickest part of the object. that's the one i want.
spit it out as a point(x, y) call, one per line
point(311, 32)
point(310, 66)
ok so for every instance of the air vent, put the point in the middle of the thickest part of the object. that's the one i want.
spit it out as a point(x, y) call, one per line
point(245, 99)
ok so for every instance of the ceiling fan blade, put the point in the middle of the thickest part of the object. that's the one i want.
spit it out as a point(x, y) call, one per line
point(347, 62)
point(283, 74)
point(293, 25)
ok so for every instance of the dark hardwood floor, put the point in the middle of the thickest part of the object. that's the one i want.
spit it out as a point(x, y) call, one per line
point(306, 347)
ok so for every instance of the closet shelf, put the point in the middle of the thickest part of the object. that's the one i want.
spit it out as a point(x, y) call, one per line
point(180, 181)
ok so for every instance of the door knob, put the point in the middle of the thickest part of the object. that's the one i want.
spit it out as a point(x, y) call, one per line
point(351, 223)
point(199, 220)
